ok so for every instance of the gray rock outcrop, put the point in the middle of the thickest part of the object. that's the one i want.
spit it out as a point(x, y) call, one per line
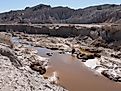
point(16, 73)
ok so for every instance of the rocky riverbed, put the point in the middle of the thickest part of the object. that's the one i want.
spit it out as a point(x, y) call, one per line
point(107, 64)
point(21, 69)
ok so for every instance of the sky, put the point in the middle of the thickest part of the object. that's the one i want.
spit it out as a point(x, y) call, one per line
point(7, 5)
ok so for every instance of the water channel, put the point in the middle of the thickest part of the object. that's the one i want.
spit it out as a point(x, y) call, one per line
point(73, 74)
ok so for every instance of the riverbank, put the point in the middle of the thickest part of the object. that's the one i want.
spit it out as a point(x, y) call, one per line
point(108, 64)
point(21, 68)
point(24, 46)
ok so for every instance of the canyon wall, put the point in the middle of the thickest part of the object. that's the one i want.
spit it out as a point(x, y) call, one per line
point(109, 33)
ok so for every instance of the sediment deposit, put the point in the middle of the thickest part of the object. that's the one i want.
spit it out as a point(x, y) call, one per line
point(100, 40)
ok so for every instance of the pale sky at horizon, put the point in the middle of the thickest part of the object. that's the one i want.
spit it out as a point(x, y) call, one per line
point(21, 4)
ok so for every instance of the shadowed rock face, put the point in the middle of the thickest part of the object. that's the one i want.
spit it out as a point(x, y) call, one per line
point(38, 67)
point(108, 33)
point(56, 30)
point(5, 51)
point(107, 13)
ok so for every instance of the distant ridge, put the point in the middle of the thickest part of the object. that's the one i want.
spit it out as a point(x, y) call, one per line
point(107, 13)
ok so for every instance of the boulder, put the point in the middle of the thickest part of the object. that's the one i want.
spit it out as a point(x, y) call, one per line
point(111, 75)
point(38, 67)
point(6, 51)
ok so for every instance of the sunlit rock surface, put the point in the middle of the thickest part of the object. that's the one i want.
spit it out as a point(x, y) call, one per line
point(22, 78)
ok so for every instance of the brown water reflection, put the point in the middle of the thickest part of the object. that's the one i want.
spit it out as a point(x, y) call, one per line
point(75, 76)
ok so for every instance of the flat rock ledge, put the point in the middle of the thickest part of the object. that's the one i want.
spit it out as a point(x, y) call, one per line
point(16, 74)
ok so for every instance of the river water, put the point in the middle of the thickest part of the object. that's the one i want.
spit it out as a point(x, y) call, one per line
point(73, 74)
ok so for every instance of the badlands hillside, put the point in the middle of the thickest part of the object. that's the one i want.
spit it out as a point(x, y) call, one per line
point(107, 13)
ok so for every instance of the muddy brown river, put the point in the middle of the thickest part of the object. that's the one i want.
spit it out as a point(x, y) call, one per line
point(75, 76)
